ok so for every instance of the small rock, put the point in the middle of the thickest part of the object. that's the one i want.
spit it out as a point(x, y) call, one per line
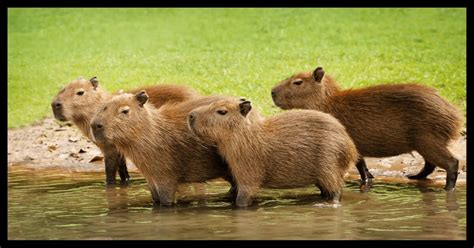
point(73, 139)
point(52, 147)
point(28, 158)
point(74, 155)
point(82, 151)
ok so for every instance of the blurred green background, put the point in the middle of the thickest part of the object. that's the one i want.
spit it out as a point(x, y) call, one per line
point(241, 52)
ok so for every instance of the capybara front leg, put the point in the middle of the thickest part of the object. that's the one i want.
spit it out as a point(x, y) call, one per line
point(122, 169)
point(364, 175)
point(363, 171)
point(110, 169)
point(427, 169)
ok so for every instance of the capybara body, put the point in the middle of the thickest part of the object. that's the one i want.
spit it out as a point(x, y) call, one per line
point(294, 149)
point(159, 142)
point(383, 120)
point(81, 99)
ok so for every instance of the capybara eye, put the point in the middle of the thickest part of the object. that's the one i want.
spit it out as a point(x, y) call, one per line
point(222, 112)
point(298, 82)
point(80, 93)
point(125, 111)
point(105, 108)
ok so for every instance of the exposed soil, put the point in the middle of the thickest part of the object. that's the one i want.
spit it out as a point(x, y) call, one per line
point(50, 144)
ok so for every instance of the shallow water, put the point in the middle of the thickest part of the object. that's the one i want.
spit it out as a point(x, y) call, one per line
point(48, 204)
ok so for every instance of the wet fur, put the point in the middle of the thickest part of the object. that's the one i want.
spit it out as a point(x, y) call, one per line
point(159, 142)
point(80, 110)
point(294, 149)
point(384, 120)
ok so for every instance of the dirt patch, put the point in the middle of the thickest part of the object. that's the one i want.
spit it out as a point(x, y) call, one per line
point(50, 144)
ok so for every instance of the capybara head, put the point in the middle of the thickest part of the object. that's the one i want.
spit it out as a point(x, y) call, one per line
point(303, 90)
point(216, 120)
point(77, 99)
point(122, 117)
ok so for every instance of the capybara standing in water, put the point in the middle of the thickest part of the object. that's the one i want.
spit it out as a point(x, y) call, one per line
point(383, 120)
point(159, 142)
point(81, 99)
point(294, 149)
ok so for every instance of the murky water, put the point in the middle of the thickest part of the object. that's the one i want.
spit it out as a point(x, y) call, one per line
point(54, 205)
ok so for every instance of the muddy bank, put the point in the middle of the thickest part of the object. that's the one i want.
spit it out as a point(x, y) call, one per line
point(51, 145)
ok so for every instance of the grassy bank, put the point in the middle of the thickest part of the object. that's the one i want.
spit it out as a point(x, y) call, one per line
point(241, 52)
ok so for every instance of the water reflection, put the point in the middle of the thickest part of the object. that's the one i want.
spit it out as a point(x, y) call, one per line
point(78, 206)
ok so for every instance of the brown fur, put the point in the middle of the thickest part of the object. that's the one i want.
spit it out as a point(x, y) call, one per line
point(79, 109)
point(383, 120)
point(293, 149)
point(159, 142)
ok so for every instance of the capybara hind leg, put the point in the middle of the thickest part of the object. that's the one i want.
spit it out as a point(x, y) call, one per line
point(335, 196)
point(166, 194)
point(363, 171)
point(154, 195)
point(443, 158)
point(244, 197)
point(427, 169)
point(122, 169)
point(452, 174)
point(324, 193)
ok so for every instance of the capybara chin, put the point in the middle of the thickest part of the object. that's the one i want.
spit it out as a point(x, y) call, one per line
point(159, 142)
point(79, 100)
point(383, 120)
point(294, 149)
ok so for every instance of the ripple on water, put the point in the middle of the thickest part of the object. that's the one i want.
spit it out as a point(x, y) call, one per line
point(78, 206)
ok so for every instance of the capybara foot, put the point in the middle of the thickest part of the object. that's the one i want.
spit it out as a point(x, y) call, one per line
point(243, 199)
point(452, 175)
point(427, 169)
point(125, 182)
point(365, 186)
point(365, 175)
point(110, 183)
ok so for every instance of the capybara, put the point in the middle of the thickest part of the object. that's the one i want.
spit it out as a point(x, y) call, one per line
point(79, 100)
point(383, 120)
point(293, 149)
point(159, 142)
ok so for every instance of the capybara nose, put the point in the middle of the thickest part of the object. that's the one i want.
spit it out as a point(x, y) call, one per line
point(273, 94)
point(97, 126)
point(57, 104)
point(192, 116)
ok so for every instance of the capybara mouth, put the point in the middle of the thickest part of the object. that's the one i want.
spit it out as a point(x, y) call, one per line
point(280, 105)
point(98, 137)
point(59, 116)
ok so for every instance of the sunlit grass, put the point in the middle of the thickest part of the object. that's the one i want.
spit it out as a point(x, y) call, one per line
point(241, 52)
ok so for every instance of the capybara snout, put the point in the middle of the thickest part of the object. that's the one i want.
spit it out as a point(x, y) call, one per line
point(57, 107)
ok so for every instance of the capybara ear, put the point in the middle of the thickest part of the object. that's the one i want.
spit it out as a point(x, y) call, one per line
point(94, 82)
point(318, 74)
point(141, 97)
point(245, 107)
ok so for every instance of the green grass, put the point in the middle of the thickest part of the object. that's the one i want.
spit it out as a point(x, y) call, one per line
point(241, 52)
